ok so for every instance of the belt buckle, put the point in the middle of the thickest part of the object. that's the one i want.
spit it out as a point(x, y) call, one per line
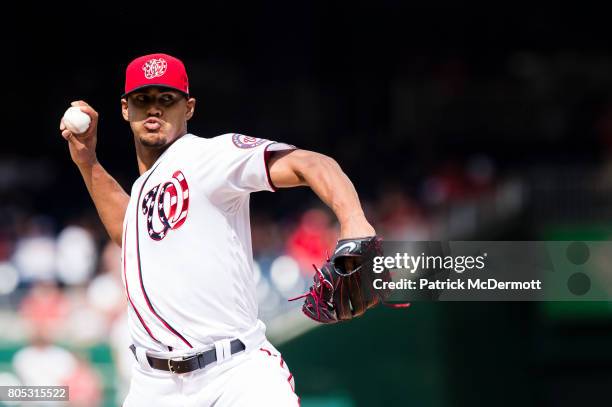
point(170, 360)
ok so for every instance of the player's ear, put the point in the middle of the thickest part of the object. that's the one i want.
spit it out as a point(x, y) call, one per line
point(190, 108)
point(124, 109)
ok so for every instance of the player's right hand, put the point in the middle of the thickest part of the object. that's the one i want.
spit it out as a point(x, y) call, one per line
point(82, 146)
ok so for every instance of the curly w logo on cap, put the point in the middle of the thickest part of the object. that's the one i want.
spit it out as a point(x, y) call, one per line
point(154, 68)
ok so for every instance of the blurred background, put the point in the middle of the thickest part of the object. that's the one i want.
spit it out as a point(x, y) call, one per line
point(453, 123)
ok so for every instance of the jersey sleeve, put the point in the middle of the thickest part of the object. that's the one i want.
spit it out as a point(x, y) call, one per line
point(247, 163)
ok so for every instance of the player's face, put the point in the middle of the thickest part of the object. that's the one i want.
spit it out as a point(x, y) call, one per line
point(157, 116)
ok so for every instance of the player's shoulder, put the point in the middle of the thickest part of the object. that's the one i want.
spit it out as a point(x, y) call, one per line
point(192, 145)
point(237, 141)
point(240, 145)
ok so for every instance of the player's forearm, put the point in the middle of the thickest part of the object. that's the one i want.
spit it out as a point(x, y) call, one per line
point(325, 177)
point(108, 196)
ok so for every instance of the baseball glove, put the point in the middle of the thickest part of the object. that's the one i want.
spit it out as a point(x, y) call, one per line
point(342, 287)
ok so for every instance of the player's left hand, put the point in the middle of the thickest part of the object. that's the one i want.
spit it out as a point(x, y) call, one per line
point(342, 287)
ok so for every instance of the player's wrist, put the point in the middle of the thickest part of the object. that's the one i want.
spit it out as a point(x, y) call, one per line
point(87, 164)
point(356, 226)
point(355, 216)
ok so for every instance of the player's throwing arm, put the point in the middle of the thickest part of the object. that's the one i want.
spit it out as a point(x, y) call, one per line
point(108, 196)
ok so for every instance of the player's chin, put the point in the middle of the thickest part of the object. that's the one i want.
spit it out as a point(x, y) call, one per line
point(153, 138)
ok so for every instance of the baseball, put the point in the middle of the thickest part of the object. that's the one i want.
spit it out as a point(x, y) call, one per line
point(76, 121)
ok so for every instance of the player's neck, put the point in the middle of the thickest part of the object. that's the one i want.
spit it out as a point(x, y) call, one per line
point(147, 156)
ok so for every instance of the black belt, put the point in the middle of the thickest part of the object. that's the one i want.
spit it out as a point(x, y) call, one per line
point(190, 363)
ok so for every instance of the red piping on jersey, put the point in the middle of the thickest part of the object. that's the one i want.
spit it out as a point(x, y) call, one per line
point(144, 293)
point(266, 157)
point(282, 363)
point(127, 291)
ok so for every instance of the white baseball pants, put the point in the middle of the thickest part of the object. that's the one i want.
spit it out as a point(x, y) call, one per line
point(256, 377)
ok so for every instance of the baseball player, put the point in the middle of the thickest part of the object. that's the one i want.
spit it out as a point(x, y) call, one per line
point(186, 244)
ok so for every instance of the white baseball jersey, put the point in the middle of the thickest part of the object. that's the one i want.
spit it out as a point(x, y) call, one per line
point(187, 256)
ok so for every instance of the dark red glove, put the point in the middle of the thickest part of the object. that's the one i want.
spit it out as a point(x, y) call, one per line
point(342, 287)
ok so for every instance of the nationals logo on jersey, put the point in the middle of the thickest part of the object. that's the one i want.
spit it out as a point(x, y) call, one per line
point(242, 141)
point(170, 202)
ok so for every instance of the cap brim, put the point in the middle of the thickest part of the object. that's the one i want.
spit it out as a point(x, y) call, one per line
point(159, 85)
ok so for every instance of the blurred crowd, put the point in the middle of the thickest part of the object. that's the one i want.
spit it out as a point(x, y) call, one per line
point(61, 286)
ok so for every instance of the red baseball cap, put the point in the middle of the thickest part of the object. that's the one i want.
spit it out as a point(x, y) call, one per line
point(156, 70)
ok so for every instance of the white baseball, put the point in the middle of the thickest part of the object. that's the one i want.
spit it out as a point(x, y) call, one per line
point(76, 120)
